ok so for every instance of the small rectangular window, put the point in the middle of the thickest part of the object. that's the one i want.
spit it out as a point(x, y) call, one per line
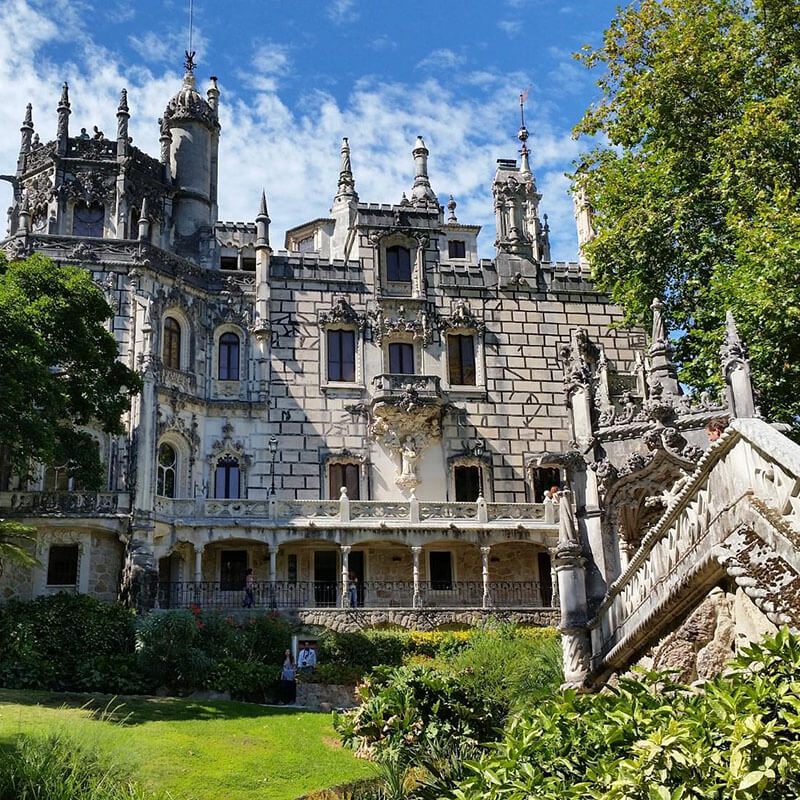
point(229, 263)
point(468, 483)
point(461, 359)
point(401, 358)
point(346, 475)
point(342, 356)
point(62, 565)
point(544, 479)
point(441, 570)
point(398, 264)
point(248, 265)
point(456, 249)
point(291, 568)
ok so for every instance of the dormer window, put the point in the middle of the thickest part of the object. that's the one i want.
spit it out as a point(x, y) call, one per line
point(457, 249)
point(88, 220)
point(398, 264)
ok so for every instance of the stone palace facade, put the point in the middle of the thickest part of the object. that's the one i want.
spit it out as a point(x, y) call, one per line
point(371, 419)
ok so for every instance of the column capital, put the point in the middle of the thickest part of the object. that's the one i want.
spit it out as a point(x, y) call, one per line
point(416, 548)
point(346, 548)
point(486, 549)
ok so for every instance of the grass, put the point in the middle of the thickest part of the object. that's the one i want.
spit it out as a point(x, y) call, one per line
point(195, 750)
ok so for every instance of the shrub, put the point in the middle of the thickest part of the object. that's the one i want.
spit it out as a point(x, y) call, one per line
point(55, 768)
point(405, 709)
point(332, 674)
point(650, 738)
point(44, 642)
point(266, 638)
point(247, 680)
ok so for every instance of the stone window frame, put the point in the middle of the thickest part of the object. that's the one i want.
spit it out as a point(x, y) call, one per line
point(186, 338)
point(182, 450)
point(530, 482)
point(76, 203)
point(417, 251)
point(346, 457)
point(459, 240)
point(480, 361)
point(402, 337)
point(441, 547)
point(45, 540)
point(226, 387)
point(487, 474)
point(343, 325)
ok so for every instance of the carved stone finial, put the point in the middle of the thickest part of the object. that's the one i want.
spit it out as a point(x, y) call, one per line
point(451, 207)
point(736, 370)
point(188, 61)
point(421, 193)
point(662, 369)
point(346, 189)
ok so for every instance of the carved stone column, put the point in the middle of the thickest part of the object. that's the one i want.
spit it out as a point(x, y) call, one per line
point(569, 564)
point(487, 600)
point(198, 563)
point(345, 573)
point(417, 598)
point(273, 572)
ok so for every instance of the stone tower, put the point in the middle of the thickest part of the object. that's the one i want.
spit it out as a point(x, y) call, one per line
point(190, 129)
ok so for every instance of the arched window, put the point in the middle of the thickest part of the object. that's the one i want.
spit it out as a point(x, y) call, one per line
point(56, 479)
point(398, 264)
point(171, 351)
point(88, 220)
point(228, 357)
point(167, 470)
point(226, 480)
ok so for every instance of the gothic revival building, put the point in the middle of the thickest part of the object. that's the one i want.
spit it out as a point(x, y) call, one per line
point(370, 419)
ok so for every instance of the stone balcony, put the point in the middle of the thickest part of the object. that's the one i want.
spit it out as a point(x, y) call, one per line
point(75, 504)
point(388, 387)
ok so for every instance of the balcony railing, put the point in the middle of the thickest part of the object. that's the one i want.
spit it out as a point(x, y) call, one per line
point(78, 503)
point(396, 384)
point(360, 512)
point(366, 594)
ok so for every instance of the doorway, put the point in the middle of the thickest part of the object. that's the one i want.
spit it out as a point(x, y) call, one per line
point(233, 566)
point(326, 564)
point(355, 566)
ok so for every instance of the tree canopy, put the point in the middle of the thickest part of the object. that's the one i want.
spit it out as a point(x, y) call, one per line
point(60, 369)
point(695, 182)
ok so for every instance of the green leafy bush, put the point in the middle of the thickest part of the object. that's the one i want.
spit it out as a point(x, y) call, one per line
point(651, 739)
point(45, 642)
point(56, 768)
point(266, 638)
point(405, 709)
point(247, 680)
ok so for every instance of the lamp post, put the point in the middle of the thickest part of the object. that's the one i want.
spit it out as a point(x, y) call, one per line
point(273, 448)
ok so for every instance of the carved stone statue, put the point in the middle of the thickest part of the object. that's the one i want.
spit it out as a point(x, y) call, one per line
point(409, 455)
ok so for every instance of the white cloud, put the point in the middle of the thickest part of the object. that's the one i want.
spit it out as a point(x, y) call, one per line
point(293, 150)
point(510, 27)
point(342, 11)
point(168, 46)
point(441, 59)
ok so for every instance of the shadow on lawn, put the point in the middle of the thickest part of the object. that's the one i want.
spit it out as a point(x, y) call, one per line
point(136, 710)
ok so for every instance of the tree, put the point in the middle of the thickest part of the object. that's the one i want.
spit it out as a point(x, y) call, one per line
point(695, 185)
point(13, 540)
point(60, 368)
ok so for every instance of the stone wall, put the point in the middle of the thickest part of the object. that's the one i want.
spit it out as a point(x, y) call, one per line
point(325, 696)
point(709, 637)
point(421, 619)
point(106, 567)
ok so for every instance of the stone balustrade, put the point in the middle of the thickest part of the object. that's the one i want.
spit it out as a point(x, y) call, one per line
point(395, 384)
point(78, 503)
point(739, 513)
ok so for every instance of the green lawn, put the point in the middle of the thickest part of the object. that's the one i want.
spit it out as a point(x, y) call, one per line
point(195, 750)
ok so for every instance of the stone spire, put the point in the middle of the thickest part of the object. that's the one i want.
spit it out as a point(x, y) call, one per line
point(421, 193)
point(525, 167)
point(25, 215)
point(451, 207)
point(144, 223)
point(662, 371)
point(346, 189)
point(736, 370)
point(62, 131)
point(26, 134)
point(262, 222)
point(212, 93)
point(123, 116)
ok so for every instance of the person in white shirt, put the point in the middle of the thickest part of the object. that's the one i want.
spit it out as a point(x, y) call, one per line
point(307, 658)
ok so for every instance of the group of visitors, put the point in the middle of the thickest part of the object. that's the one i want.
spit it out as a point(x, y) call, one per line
point(306, 663)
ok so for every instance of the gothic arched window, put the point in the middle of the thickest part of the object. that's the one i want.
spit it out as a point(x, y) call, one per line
point(226, 480)
point(398, 264)
point(167, 470)
point(171, 351)
point(88, 220)
point(228, 357)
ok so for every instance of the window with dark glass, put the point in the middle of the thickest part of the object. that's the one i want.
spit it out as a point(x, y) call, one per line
point(401, 358)
point(441, 570)
point(62, 565)
point(461, 359)
point(56, 479)
point(544, 478)
point(228, 357)
point(229, 263)
point(167, 468)
point(88, 220)
point(171, 351)
point(341, 355)
point(457, 249)
point(226, 482)
point(468, 483)
point(398, 264)
point(248, 264)
point(291, 568)
point(344, 475)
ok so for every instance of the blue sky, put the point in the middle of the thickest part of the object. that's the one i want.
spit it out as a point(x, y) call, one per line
point(296, 77)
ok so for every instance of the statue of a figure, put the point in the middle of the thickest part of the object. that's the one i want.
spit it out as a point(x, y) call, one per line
point(410, 456)
point(568, 535)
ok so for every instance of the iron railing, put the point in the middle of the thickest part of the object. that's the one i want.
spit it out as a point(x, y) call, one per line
point(363, 594)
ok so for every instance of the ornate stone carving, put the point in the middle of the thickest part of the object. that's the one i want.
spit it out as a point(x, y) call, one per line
point(342, 312)
point(17, 248)
point(385, 323)
point(82, 251)
point(92, 188)
point(39, 192)
point(462, 317)
point(227, 446)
